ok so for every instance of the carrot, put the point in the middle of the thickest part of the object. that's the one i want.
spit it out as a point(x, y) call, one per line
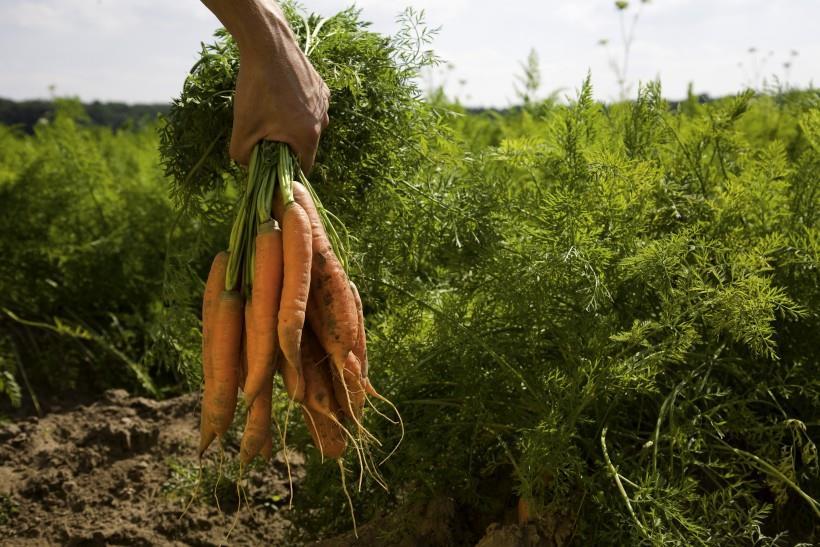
point(350, 387)
point(219, 404)
point(258, 427)
point(332, 310)
point(320, 408)
point(247, 340)
point(318, 383)
point(326, 433)
point(524, 514)
point(319, 404)
point(267, 448)
point(267, 288)
point(360, 348)
point(297, 256)
point(243, 359)
point(213, 287)
point(348, 383)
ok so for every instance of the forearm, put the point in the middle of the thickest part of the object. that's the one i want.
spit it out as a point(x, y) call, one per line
point(257, 25)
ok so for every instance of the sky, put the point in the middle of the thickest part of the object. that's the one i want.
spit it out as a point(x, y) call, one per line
point(139, 51)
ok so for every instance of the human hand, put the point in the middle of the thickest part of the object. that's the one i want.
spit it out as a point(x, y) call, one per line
point(279, 95)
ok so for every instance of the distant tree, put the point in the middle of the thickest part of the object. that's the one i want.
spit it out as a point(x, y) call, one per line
point(26, 114)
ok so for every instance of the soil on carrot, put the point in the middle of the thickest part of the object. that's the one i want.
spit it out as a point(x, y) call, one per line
point(117, 472)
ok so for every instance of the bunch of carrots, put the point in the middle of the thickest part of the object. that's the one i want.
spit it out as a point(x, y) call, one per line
point(279, 300)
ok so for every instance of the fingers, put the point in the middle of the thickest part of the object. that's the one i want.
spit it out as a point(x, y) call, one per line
point(307, 151)
point(241, 145)
point(248, 127)
point(240, 149)
point(304, 144)
point(260, 115)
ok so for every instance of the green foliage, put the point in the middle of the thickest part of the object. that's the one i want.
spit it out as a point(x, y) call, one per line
point(530, 80)
point(8, 509)
point(611, 312)
point(86, 221)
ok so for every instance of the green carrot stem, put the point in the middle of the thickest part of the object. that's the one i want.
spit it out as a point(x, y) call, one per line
point(286, 173)
point(235, 248)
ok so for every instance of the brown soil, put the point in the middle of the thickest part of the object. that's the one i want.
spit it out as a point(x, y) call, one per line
point(120, 471)
point(116, 472)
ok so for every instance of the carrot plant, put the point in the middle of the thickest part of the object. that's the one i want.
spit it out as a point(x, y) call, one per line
point(608, 316)
point(85, 221)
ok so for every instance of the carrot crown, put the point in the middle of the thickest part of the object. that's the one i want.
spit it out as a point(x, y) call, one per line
point(272, 164)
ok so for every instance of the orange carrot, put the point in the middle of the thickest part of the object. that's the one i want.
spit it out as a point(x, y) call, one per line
point(294, 383)
point(318, 383)
point(332, 310)
point(347, 380)
point(267, 288)
point(320, 407)
point(297, 255)
point(258, 427)
point(219, 404)
point(213, 287)
point(524, 514)
point(327, 436)
point(360, 348)
point(349, 386)
point(246, 350)
point(267, 448)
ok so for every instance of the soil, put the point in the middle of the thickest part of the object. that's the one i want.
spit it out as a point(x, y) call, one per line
point(113, 473)
point(120, 471)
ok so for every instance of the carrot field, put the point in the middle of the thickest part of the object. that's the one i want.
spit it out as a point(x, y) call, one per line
point(589, 323)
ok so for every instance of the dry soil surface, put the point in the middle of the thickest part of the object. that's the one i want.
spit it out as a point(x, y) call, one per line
point(109, 474)
point(120, 472)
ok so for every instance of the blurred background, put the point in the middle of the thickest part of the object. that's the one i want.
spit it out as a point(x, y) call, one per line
point(138, 51)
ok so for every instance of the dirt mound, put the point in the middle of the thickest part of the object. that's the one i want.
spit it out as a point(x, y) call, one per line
point(115, 473)
point(121, 471)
